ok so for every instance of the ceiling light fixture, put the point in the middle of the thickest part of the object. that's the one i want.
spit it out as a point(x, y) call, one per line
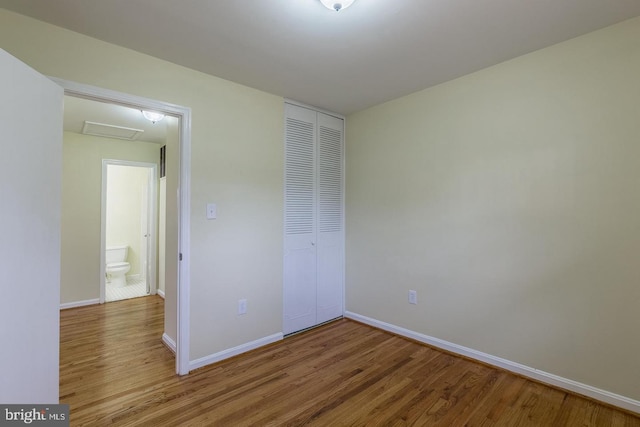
point(336, 4)
point(152, 116)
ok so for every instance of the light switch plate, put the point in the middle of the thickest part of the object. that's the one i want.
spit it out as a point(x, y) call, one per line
point(212, 211)
point(242, 306)
point(413, 297)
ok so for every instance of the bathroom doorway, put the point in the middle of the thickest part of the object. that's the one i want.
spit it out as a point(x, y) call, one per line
point(129, 229)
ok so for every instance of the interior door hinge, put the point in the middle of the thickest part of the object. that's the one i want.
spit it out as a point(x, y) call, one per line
point(180, 257)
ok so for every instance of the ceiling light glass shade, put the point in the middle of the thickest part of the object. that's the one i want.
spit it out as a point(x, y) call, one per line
point(152, 116)
point(337, 5)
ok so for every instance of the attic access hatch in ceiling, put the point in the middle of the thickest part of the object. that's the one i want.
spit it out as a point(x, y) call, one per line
point(111, 131)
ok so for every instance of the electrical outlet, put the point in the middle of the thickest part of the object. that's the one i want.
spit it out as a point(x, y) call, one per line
point(413, 297)
point(242, 306)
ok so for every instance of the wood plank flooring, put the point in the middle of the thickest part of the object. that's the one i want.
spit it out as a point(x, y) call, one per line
point(114, 370)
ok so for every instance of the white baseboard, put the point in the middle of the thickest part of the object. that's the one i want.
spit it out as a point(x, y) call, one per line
point(526, 371)
point(225, 354)
point(74, 304)
point(166, 339)
point(160, 292)
point(137, 276)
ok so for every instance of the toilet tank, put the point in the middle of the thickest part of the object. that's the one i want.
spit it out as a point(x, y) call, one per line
point(116, 254)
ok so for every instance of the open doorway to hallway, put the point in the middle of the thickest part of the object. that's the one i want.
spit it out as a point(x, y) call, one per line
point(80, 239)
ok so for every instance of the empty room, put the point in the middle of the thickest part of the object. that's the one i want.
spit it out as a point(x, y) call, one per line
point(357, 213)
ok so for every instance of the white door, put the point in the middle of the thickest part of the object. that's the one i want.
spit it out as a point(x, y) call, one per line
point(300, 220)
point(31, 111)
point(314, 212)
point(145, 234)
point(330, 241)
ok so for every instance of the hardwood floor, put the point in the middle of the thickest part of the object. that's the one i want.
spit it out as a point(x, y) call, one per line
point(114, 370)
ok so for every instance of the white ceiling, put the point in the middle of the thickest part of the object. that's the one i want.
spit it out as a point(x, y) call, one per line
point(344, 61)
point(77, 110)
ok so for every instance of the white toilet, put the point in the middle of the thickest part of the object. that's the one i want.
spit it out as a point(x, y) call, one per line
point(117, 265)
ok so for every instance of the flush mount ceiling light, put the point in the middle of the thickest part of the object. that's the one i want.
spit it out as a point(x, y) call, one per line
point(152, 116)
point(336, 4)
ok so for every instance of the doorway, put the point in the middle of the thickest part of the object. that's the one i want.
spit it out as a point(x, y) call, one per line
point(129, 224)
point(176, 301)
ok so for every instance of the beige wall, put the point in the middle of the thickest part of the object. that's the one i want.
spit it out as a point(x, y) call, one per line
point(237, 162)
point(126, 189)
point(510, 200)
point(81, 199)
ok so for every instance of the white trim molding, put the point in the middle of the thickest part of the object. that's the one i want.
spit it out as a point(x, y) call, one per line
point(526, 371)
point(242, 348)
point(166, 339)
point(74, 304)
point(160, 293)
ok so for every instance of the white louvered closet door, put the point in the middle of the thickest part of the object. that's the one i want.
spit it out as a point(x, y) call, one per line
point(330, 241)
point(314, 234)
point(300, 219)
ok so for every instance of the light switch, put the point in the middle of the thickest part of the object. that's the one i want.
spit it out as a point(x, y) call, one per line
point(212, 211)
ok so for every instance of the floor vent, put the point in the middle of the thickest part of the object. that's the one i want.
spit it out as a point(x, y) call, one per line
point(111, 131)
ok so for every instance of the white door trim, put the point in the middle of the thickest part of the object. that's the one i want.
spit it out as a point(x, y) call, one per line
point(184, 194)
point(152, 223)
